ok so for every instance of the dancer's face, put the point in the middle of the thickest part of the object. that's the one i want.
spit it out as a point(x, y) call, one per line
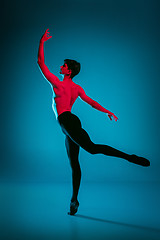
point(64, 69)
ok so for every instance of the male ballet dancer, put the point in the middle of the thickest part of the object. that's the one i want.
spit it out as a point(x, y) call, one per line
point(66, 92)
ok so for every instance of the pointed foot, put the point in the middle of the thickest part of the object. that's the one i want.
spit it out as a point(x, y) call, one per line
point(139, 160)
point(73, 207)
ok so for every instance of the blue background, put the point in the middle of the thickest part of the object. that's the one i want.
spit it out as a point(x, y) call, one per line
point(117, 44)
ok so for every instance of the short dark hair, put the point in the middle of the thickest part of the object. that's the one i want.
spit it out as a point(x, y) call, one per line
point(74, 66)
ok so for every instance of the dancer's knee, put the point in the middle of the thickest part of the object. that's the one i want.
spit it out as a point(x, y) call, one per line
point(74, 164)
point(92, 149)
point(76, 172)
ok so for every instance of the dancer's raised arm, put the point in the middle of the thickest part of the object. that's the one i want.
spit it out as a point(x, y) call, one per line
point(41, 61)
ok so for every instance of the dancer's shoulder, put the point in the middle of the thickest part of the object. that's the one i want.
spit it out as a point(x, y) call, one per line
point(80, 89)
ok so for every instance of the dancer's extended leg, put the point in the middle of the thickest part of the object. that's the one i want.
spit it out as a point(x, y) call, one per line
point(81, 137)
point(71, 126)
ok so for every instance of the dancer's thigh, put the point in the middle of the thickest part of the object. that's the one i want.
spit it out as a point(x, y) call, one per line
point(81, 137)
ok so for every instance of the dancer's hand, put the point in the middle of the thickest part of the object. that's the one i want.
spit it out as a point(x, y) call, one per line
point(114, 117)
point(45, 36)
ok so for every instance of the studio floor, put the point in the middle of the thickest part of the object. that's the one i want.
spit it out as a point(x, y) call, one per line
point(107, 211)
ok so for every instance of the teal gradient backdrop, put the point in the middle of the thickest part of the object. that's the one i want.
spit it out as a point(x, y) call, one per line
point(117, 44)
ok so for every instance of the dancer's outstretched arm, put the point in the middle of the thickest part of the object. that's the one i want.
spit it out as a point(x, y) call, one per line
point(47, 74)
point(95, 104)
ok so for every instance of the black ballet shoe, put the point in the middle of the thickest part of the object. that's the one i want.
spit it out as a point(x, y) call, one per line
point(73, 207)
point(139, 160)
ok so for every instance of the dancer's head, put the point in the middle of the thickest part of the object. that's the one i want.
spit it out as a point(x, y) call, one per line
point(71, 67)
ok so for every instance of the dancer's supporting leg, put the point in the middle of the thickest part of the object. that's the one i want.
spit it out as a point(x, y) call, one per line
point(73, 152)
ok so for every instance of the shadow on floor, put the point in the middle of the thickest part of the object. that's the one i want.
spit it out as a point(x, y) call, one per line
point(119, 223)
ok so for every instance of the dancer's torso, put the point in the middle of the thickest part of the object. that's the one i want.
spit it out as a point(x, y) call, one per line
point(64, 97)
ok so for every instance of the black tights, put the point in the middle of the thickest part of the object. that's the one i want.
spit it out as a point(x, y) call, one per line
point(77, 137)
